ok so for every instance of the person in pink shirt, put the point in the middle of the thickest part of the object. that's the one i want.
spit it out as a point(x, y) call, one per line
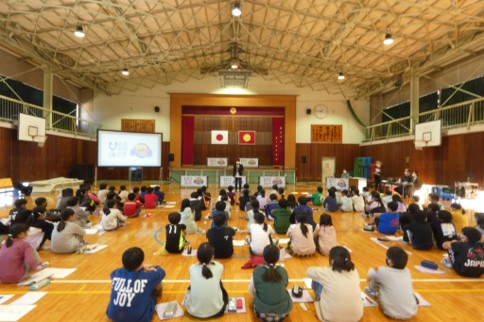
point(18, 257)
point(132, 207)
point(151, 199)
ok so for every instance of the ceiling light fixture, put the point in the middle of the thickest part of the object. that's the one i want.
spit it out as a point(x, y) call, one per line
point(388, 39)
point(341, 76)
point(125, 72)
point(236, 9)
point(79, 33)
point(234, 64)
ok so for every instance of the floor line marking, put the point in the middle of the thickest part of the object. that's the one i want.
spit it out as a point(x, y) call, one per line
point(415, 280)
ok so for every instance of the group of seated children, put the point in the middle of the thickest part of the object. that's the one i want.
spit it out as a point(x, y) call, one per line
point(337, 287)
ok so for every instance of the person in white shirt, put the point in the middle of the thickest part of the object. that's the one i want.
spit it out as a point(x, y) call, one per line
point(393, 285)
point(206, 296)
point(337, 288)
point(112, 218)
point(102, 193)
point(261, 198)
point(259, 234)
point(358, 201)
point(123, 194)
point(346, 202)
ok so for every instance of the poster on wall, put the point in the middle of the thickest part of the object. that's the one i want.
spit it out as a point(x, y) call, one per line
point(249, 162)
point(193, 181)
point(325, 133)
point(338, 183)
point(217, 162)
point(269, 181)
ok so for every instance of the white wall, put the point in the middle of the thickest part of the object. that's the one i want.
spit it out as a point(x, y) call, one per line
point(109, 110)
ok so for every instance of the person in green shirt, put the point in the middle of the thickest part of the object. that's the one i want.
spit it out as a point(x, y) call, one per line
point(317, 196)
point(268, 287)
point(281, 217)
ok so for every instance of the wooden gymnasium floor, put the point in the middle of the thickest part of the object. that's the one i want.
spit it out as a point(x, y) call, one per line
point(84, 295)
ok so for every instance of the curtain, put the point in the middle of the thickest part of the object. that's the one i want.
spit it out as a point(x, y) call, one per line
point(188, 131)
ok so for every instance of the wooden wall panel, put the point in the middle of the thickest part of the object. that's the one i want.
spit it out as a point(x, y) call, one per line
point(459, 157)
point(311, 170)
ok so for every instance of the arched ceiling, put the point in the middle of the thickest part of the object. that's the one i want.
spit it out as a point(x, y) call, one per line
point(301, 42)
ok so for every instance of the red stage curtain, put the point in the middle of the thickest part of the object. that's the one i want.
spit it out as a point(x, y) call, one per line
point(188, 139)
point(278, 141)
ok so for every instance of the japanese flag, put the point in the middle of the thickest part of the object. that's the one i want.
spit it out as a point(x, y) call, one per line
point(220, 137)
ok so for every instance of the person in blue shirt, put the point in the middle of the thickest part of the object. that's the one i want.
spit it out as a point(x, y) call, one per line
point(303, 208)
point(388, 222)
point(330, 203)
point(135, 288)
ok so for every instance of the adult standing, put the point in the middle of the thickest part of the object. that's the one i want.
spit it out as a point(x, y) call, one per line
point(238, 171)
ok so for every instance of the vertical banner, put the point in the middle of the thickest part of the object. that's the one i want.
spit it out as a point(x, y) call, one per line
point(278, 141)
point(188, 139)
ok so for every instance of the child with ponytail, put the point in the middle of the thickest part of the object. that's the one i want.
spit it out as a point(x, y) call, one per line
point(67, 236)
point(37, 220)
point(337, 288)
point(112, 218)
point(268, 287)
point(301, 237)
point(259, 234)
point(18, 257)
point(206, 296)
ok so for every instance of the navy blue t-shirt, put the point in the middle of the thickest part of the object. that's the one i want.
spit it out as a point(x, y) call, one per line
point(131, 294)
point(389, 222)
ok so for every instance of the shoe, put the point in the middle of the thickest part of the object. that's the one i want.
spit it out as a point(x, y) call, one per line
point(371, 292)
point(445, 262)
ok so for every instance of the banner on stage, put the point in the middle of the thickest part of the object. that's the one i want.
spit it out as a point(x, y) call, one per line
point(249, 162)
point(193, 181)
point(226, 181)
point(217, 162)
point(269, 181)
point(338, 183)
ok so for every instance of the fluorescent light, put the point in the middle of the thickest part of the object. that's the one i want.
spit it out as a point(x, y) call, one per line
point(125, 72)
point(79, 33)
point(341, 76)
point(388, 39)
point(236, 9)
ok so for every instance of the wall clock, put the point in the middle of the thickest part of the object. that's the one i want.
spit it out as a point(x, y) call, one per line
point(233, 110)
point(320, 111)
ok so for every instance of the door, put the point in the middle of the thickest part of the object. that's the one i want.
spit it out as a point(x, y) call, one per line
point(328, 165)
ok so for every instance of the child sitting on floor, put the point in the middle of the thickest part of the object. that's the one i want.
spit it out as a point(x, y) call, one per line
point(393, 285)
point(132, 207)
point(135, 288)
point(467, 255)
point(301, 237)
point(221, 236)
point(206, 296)
point(18, 257)
point(346, 202)
point(268, 288)
point(325, 235)
point(259, 234)
point(112, 218)
point(337, 288)
point(175, 234)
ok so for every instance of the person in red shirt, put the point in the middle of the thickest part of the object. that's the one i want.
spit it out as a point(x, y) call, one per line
point(132, 207)
point(150, 198)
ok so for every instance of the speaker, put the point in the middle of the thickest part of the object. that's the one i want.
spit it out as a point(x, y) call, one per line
point(171, 157)
point(308, 111)
point(157, 109)
point(304, 159)
point(83, 171)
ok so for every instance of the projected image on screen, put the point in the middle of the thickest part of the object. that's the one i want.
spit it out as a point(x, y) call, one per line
point(119, 149)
